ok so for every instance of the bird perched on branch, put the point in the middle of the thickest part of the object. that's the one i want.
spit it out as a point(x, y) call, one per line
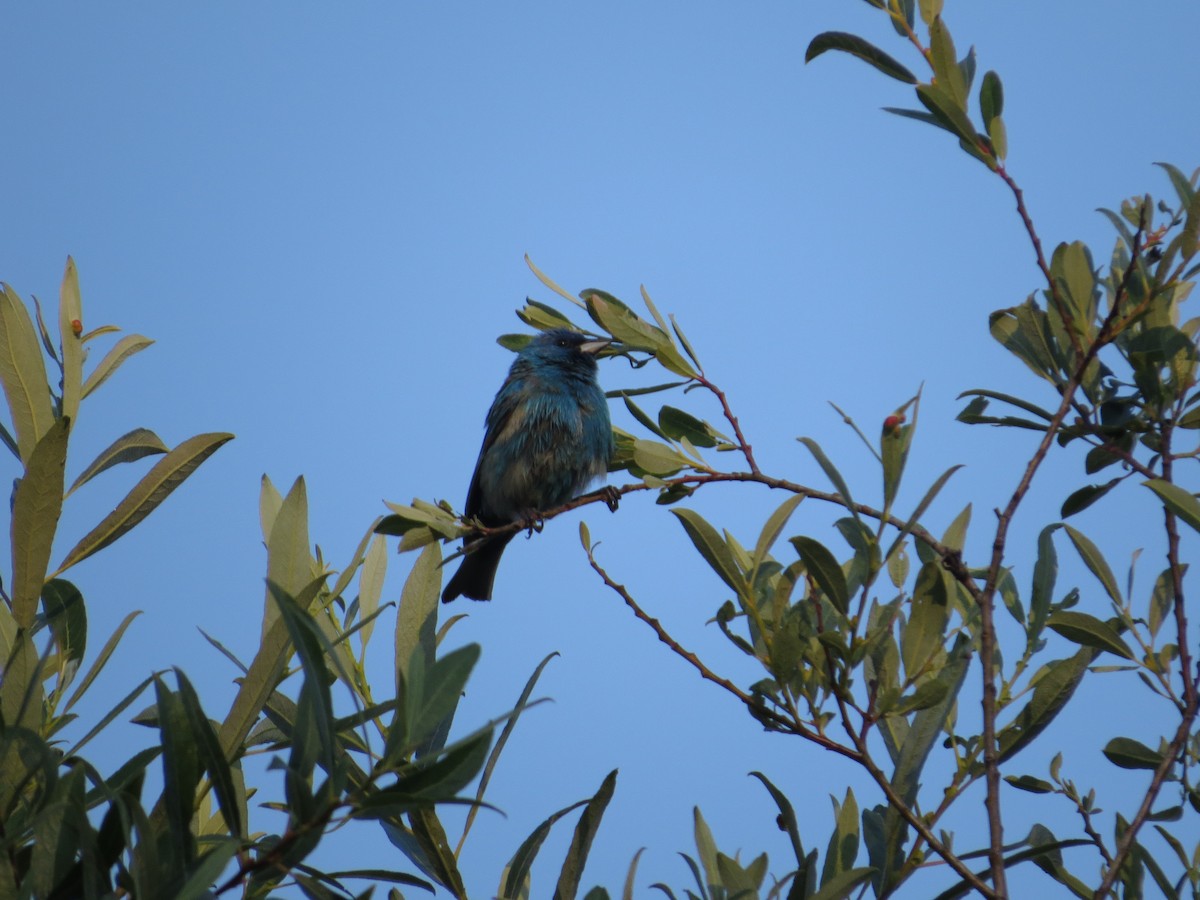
point(547, 437)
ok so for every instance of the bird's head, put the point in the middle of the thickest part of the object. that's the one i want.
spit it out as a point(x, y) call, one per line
point(562, 347)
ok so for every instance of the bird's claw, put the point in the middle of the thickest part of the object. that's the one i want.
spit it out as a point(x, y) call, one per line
point(611, 497)
point(531, 520)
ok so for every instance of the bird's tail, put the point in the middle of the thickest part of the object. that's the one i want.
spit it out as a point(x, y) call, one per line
point(478, 570)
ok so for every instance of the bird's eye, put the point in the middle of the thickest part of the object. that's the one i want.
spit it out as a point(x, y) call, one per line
point(562, 342)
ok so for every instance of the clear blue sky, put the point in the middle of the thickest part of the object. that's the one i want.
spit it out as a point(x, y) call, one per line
point(319, 213)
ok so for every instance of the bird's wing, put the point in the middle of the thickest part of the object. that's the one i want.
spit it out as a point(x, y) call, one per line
point(507, 401)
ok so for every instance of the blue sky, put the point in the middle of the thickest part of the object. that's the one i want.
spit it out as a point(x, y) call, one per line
point(320, 212)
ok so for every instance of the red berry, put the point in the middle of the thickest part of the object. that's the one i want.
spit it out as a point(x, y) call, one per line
point(76, 327)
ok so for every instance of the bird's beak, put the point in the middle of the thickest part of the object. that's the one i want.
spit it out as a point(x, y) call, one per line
point(593, 348)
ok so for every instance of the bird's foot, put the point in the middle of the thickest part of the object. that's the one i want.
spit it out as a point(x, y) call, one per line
point(612, 497)
point(531, 520)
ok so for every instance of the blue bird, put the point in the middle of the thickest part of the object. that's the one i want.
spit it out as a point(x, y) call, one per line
point(547, 437)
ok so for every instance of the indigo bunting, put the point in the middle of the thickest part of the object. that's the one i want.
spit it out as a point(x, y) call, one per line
point(547, 436)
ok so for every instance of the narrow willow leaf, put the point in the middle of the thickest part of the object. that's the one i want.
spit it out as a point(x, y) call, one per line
point(181, 772)
point(929, 614)
point(1084, 497)
point(544, 279)
point(631, 875)
point(658, 459)
point(1177, 500)
point(67, 616)
point(581, 841)
point(683, 341)
point(1011, 400)
point(134, 445)
point(208, 748)
point(70, 328)
point(168, 473)
point(370, 585)
point(947, 110)
point(646, 421)
point(864, 50)
point(1179, 181)
point(823, 566)
point(712, 548)
point(416, 620)
point(1130, 754)
point(36, 507)
point(1030, 784)
point(290, 563)
point(680, 425)
point(843, 843)
point(787, 816)
point(121, 351)
point(706, 847)
point(102, 658)
point(266, 670)
point(1089, 631)
point(927, 724)
point(944, 59)
point(23, 373)
point(1053, 690)
point(831, 472)
point(1093, 559)
point(514, 880)
point(772, 527)
point(498, 748)
point(915, 518)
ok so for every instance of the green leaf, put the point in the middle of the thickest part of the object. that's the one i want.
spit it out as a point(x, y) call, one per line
point(514, 881)
point(864, 50)
point(1030, 784)
point(544, 279)
point(98, 664)
point(949, 112)
point(823, 566)
point(210, 756)
point(1177, 500)
point(23, 373)
point(416, 620)
point(70, 311)
point(494, 756)
point(1089, 631)
point(944, 59)
point(843, 843)
point(894, 446)
point(443, 686)
point(36, 507)
point(134, 445)
point(181, 772)
point(831, 472)
point(581, 842)
point(157, 484)
point(121, 351)
point(927, 724)
point(991, 98)
point(658, 459)
point(1053, 689)
point(787, 816)
point(290, 563)
point(1086, 496)
point(930, 10)
point(67, 617)
point(1130, 754)
point(678, 425)
point(772, 528)
point(712, 548)
point(370, 585)
point(1095, 562)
